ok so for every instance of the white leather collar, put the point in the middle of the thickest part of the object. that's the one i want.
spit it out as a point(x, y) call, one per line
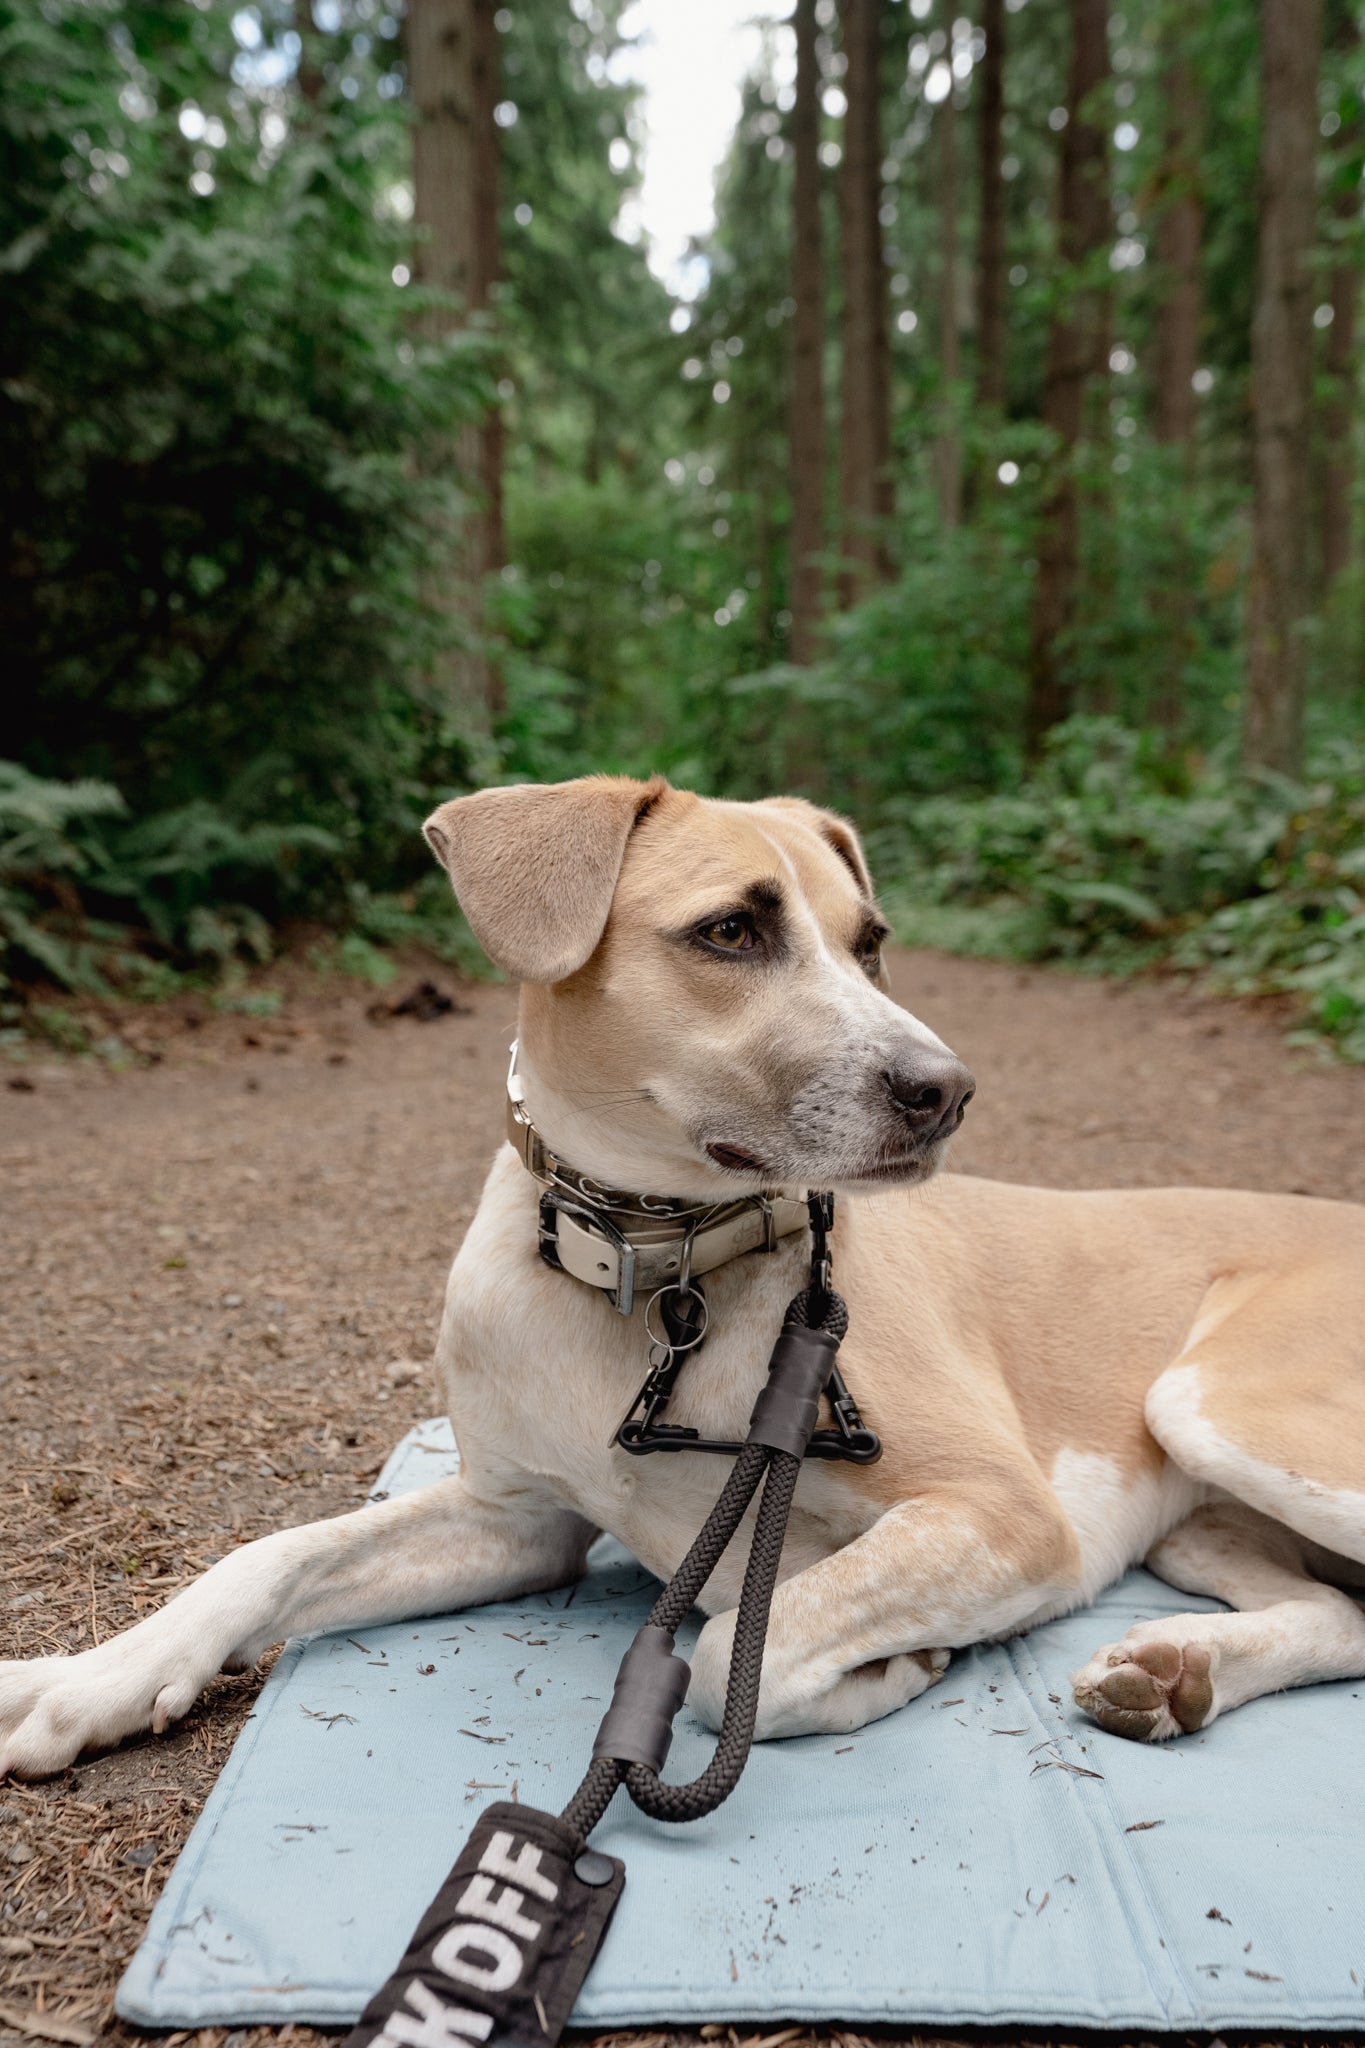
point(622, 1243)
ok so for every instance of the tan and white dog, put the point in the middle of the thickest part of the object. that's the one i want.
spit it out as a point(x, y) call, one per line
point(1064, 1383)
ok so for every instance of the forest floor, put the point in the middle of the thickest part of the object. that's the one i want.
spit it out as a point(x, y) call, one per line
point(225, 1265)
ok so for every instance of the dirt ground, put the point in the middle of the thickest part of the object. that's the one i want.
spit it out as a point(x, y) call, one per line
point(222, 1270)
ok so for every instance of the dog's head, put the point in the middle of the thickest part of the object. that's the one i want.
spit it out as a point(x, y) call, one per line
point(704, 1010)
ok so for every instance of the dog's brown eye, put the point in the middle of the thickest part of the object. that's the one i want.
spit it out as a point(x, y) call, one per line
point(869, 953)
point(731, 934)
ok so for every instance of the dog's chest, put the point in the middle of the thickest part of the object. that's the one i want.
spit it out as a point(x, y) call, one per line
point(540, 1371)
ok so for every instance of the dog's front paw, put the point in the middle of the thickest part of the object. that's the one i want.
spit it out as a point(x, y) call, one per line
point(798, 1698)
point(1149, 1690)
point(54, 1707)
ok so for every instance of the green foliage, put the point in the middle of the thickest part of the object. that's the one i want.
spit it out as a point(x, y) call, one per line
point(91, 899)
point(225, 528)
point(40, 863)
point(208, 411)
point(1110, 855)
point(1303, 933)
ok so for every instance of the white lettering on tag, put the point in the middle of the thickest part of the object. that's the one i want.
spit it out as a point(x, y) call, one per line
point(440, 2025)
point(522, 1870)
point(478, 1901)
point(505, 1957)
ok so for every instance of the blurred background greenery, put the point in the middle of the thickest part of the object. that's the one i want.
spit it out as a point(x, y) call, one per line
point(995, 482)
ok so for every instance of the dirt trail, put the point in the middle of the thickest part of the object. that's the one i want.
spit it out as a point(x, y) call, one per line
point(222, 1275)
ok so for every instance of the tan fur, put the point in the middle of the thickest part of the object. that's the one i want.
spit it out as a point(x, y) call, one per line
point(1063, 1383)
point(535, 866)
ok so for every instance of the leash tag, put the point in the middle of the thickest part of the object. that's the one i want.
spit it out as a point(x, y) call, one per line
point(502, 1949)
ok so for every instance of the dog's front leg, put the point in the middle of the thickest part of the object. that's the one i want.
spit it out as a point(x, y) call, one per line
point(425, 1553)
point(870, 1627)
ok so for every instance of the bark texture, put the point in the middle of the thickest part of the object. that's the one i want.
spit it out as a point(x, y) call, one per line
point(807, 424)
point(453, 60)
point(1338, 469)
point(309, 73)
point(865, 426)
point(990, 248)
point(1077, 364)
point(948, 452)
point(1281, 384)
point(1179, 238)
point(1179, 243)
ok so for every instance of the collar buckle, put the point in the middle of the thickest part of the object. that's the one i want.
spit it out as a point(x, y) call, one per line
point(554, 1203)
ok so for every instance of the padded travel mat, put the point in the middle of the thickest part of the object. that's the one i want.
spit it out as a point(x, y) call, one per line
point(985, 1855)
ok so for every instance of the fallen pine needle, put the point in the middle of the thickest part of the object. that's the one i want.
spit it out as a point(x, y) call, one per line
point(44, 2027)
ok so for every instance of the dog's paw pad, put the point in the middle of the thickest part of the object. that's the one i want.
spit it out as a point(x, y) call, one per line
point(1148, 1691)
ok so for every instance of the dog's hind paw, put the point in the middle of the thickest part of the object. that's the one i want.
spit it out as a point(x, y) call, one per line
point(1148, 1691)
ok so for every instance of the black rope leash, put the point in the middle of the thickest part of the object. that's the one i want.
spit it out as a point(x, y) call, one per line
point(502, 1950)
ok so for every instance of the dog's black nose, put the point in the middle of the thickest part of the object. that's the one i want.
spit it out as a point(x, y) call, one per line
point(930, 1091)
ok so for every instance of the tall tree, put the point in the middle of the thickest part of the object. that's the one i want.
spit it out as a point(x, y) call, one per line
point(1179, 236)
point(990, 247)
point(1077, 361)
point(808, 346)
point(309, 73)
point(948, 452)
point(1343, 296)
point(453, 66)
point(1179, 240)
point(1281, 384)
point(865, 426)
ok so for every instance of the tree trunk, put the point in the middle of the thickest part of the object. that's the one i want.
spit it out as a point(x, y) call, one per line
point(1281, 384)
point(309, 73)
point(488, 155)
point(807, 428)
point(990, 248)
point(865, 427)
point(1077, 366)
point(1338, 469)
point(948, 452)
point(1179, 238)
point(1339, 412)
point(452, 55)
point(1179, 233)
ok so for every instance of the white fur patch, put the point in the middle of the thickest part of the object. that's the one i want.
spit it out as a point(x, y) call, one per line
point(1117, 1518)
point(1332, 1516)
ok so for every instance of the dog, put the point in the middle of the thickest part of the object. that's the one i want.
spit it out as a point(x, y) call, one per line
point(1064, 1384)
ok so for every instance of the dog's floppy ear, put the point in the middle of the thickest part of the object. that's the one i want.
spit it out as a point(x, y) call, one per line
point(534, 866)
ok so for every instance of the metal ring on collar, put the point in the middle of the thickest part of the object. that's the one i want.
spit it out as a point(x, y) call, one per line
point(664, 1340)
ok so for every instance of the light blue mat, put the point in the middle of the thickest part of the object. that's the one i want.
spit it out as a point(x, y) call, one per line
point(944, 1865)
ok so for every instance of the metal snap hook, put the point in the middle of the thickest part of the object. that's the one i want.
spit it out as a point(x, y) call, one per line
point(662, 1338)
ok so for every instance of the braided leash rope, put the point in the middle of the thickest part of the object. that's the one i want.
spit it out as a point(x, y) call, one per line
point(777, 1471)
point(501, 1953)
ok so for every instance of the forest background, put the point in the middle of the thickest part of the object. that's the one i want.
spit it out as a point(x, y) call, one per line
point(998, 486)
